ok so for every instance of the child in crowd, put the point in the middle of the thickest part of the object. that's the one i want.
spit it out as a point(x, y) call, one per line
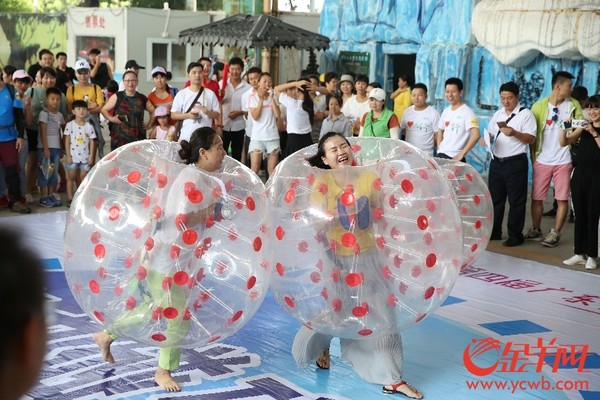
point(162, 130)
point(49, 148)
point(80, 146)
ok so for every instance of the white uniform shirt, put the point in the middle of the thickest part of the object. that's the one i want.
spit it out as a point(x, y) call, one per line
point(507, 146)
point(182, 102)
point(420, 127)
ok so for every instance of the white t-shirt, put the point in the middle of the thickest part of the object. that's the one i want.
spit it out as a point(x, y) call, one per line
point(420, 127)
point(507, 146)
point(245, 98)
point(232, 101)
point(298, 121)
point(80, 136)
point(355, 110)
point(265, 127)
point(456, 126)
point(54, 122)
point(182, 102)
point(552, 153)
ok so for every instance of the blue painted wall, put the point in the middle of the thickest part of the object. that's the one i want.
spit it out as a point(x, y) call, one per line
point(438, 32)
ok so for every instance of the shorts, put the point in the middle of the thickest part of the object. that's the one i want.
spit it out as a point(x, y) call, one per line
point(264, 146)
point(543, 174)
point(82, 166)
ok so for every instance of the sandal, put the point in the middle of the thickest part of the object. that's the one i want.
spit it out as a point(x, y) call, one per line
point(323, 360)
point(394, 390)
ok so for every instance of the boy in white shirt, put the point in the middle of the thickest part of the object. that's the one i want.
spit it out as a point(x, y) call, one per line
point(420, 121)
point(458, 129)
point(80, 147)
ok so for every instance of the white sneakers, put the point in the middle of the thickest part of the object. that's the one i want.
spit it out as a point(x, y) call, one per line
point(577, 259)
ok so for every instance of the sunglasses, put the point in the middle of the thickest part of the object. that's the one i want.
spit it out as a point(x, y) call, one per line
point(555, 116)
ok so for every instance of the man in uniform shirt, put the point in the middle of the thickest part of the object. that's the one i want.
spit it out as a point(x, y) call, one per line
point(512, 128)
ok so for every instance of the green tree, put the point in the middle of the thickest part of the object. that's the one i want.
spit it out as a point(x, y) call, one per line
point(15, 6)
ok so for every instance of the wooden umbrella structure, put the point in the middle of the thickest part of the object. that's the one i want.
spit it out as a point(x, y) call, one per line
point(254, 31)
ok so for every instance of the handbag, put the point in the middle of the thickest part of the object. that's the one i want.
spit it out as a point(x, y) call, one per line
point(180, 122)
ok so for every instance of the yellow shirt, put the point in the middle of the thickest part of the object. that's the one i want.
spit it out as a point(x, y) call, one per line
point(402, 102)
point(351, 229)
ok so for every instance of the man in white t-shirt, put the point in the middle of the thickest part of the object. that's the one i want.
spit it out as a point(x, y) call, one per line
point(551, 162)
point(204, 109)
point(512, 129)
point(233, 113)
point(458, 129)
point(420, 121)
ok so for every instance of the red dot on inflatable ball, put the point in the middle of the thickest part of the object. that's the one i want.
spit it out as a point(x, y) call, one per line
point(251, 282)
point(189, 236)
point(99, 315)
point(257, 244)
point(289, 196)
point(365, 332)
point(347, 199)
point(238, 314)
point(158, 337)
point(431, 260)
point(429, 292)
point(422, 222)
point(348, 239)
point(114, 212)
point(359, 311)
point(290, 301)
point(250, 204)
point(181, 278)
point(134, 177)
point(407, 186)
point(195, 196)
point(354, 279)
point(94, 286)
point(170, 313)
point(99, 251)
point(279, 233)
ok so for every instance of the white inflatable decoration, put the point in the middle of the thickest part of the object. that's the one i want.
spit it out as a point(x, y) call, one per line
point(516, 31)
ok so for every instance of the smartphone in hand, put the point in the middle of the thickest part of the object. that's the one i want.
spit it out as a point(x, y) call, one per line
point(502, 124)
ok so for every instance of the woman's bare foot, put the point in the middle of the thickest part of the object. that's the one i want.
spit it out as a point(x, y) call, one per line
point(324, 360)
point(103, 340)
point(403, 388)
point(164, 379)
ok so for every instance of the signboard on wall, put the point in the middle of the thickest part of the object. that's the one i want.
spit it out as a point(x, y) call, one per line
point(354, 61)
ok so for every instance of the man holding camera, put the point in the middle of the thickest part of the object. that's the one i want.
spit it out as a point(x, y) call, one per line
point(551, 162)
point(512, 129)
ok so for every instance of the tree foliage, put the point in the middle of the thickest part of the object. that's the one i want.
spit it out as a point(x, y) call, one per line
point(15, 6)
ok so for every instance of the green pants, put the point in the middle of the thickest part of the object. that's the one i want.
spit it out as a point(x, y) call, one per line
point(155, 296)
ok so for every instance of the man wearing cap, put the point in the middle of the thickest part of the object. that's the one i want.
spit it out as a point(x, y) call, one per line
point(195, 105)
point(380, 121)
point(233, 115)
point(131, 65)
point(512, 129)
point(92, 95)
point(100, 72)
point(12, 132)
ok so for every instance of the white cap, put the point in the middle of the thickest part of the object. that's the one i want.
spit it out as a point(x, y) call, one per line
point(377, 94)
point(81, 64)
point(158, 70)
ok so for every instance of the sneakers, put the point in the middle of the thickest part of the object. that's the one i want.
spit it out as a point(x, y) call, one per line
point(577, 259)
point(56, 199)
point(591, 263)
point(20, 208)
point(47, 202)
point(551, 239)
point(533, 234)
